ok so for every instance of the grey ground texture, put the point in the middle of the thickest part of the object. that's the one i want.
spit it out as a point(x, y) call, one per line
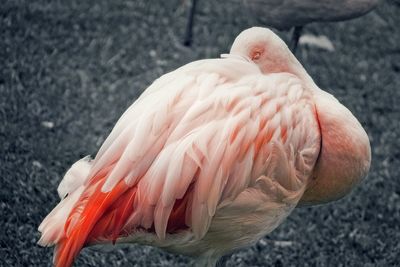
point(70, 68)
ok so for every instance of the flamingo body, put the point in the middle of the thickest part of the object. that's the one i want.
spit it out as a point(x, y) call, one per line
point(211, 157)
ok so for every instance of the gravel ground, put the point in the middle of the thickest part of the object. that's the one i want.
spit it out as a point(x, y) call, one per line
point(70, 68)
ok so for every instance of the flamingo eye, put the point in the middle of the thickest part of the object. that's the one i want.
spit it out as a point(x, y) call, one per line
point(256, 55)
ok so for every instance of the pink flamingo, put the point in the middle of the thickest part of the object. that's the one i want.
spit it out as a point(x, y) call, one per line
point(212, 157)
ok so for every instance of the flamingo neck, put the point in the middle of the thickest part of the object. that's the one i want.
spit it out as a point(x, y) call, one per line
point(296, 68)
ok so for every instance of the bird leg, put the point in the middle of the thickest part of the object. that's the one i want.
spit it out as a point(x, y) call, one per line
point(189, 26)
point(295, 38)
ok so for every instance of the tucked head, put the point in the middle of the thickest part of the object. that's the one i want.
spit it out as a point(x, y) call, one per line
point(263, 47)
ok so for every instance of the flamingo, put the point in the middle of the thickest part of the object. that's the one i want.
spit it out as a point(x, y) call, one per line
point(284, 15)
point(212, 157)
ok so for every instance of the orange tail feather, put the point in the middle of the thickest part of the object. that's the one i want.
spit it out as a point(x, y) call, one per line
point(103, 216)
point(69, 247)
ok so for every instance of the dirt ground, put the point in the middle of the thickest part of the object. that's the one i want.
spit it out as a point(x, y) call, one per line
point(70, 68)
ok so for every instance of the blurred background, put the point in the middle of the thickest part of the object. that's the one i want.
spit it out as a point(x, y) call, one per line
point(70, 68)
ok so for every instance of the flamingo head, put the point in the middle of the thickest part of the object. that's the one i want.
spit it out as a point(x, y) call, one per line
point(345, 153)
point(263, 47)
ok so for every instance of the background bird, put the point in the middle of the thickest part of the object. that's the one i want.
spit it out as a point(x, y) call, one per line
point(212, 157)
point(284, 15)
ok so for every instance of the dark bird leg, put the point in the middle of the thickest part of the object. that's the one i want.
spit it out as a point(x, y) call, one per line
point(189, 26)
point(295, 38)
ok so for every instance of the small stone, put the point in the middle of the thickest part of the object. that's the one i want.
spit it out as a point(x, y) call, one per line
point(48, 124)
point(152, 53)
point(283, 243)
point(262, 242)
point(37, 164)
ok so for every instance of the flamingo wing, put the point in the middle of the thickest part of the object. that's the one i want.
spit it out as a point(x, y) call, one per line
point(193, 141)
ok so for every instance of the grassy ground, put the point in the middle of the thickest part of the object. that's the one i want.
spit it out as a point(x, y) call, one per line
point(70, 68)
